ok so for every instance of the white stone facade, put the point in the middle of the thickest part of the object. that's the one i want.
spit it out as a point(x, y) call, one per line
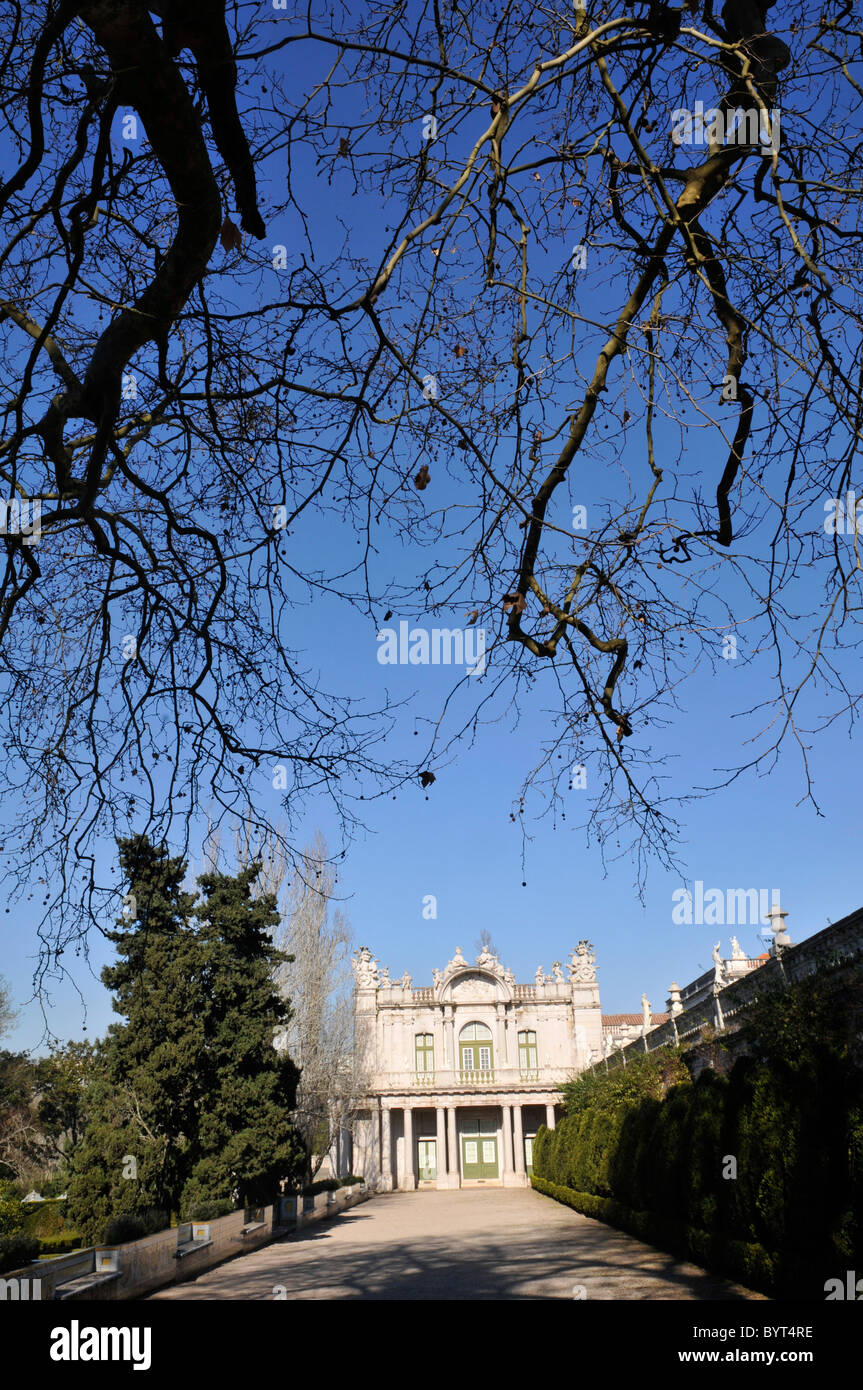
point(462, 1073)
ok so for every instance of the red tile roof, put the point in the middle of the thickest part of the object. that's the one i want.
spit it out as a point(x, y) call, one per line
point(612, 1020)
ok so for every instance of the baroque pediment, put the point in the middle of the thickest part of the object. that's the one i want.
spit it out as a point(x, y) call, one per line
point(482, 981)
point(473, 986)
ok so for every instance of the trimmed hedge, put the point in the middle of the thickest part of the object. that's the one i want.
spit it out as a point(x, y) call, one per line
point(758, 1173)
point(45, 1219)
point(60, 1245)
point(209, 1211)
point(134, 1226)
point(751, 1264)
point(17, 1250)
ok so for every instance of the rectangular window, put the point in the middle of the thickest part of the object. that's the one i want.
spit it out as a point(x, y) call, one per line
point(424, 1051)
point(485, 1059)
point(470, 1151)
point(527, 1051)
point(467, 1059)
point(489, 1151)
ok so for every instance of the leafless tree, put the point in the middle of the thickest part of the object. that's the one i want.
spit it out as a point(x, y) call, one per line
point(502, 282)
point(485, 942)
point(8, 1012)
point(317, 982)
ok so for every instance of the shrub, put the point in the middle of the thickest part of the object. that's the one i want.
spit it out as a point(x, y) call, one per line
point(323, 1185)
point(17, 1250)
point(45, 1219)
point(11, 1216)
point(54, 1186)
point(350, 1180)
point(59, 1245)
point(134, 1225)
point(210, 1210)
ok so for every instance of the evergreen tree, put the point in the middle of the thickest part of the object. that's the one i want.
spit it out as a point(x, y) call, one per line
point(139, 1143)
point(247, 1145)
point(189, 1099)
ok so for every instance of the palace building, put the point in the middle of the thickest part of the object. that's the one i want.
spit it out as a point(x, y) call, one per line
point(459, 1075)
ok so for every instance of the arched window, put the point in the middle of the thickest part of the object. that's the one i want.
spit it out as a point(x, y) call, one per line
point(475, 1051)
point(424, 1051)
point(527, 1056)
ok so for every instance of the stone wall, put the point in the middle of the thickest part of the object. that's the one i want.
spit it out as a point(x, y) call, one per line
point(151, 1263)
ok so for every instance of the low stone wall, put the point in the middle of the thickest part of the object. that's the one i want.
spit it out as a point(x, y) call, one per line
point(152, 1262)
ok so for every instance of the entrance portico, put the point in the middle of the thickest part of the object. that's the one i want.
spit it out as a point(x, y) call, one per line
point(437, 1143)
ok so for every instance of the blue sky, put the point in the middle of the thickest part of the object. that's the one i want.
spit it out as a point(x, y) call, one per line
point(457, 840)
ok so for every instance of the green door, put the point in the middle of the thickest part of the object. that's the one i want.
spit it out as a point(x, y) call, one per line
point(479, 1152)
point(427, 1160)
point(528, 1153)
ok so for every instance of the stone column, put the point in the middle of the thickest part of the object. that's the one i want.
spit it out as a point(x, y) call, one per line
point(440, 1146)
point(519, 1144)
point(509, 1178)
point(449, 1034)
point(549, 1116)
point(409, 1181)
point(500, 1037)
point(386, 1150)
point(438, 1034)
point(452, 1158)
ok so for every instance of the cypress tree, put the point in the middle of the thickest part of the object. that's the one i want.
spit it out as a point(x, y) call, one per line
point(247, 1145)
point(140, 1138)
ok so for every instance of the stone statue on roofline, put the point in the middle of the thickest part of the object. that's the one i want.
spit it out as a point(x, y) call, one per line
point(582, 963)
point(365, 968)
point(645, 1013)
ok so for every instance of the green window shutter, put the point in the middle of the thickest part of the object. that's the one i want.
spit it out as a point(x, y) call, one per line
point(527, 1051)
point(424, 1051)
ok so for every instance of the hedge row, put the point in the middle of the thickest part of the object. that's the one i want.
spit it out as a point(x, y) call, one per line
point(60, 1245)
point(17, 1250)
point(754, 1266)
point(768, 1158)
point(46, 1219)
